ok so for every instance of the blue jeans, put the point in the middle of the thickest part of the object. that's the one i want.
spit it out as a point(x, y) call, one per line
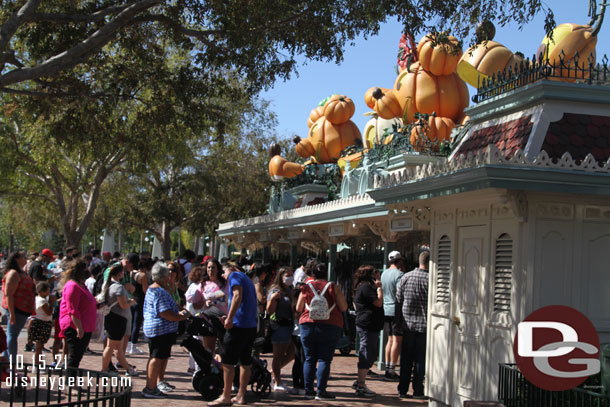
point(12, 333)
point(137, 319)
point(412, 360)
point(319, 342)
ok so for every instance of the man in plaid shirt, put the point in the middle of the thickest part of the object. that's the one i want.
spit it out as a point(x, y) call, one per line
point(412, 293)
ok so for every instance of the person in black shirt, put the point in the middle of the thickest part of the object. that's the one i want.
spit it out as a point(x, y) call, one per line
point(38, 268)
point(368, 300)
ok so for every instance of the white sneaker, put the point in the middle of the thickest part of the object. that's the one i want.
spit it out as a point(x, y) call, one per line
point(137, 351)
point(132, 372)
point(129, 348)
point(163, 387)
point(279, 388)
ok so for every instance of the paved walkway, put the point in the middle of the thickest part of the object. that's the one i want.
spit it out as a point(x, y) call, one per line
point(343, 374)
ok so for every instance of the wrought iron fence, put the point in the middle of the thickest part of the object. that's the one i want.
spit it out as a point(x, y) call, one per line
point(515, 391)
point(23, 385)
point(528, 71)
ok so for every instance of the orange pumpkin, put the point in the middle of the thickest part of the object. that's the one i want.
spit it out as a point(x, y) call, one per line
point(420, 91)
point(440, 59)
point(280, 168)
point(339, 109)
point(438, 129)
point(326, 140)
point(570, 39)
point(483, 61)
point(314, 115)
point(384, 102)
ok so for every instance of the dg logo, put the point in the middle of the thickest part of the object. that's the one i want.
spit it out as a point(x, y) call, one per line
point(557, 348)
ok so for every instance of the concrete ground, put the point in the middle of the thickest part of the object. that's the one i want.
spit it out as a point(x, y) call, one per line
point(343, 374)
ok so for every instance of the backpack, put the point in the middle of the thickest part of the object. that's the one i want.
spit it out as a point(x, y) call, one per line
point(99, 284)
point(318, 307)
point(102, 305)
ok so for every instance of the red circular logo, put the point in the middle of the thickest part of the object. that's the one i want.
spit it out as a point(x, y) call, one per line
point(556, 348)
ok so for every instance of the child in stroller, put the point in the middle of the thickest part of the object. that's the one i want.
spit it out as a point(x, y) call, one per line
point(208, 380)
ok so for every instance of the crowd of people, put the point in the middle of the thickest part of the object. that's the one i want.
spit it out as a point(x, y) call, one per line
point(298, 313)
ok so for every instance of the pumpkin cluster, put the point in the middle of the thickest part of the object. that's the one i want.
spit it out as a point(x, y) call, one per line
point(330, 130)
point(430, 85)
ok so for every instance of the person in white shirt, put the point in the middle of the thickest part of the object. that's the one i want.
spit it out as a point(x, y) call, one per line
point(299, 275)
point(40, 328)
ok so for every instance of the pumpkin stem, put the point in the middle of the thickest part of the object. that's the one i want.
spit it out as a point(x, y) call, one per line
point(296, 140)
point(599, 18)
point(378, 93)
point(274, 150)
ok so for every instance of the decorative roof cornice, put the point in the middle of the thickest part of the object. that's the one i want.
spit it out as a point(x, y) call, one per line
point(350, 202)
point(488, 156)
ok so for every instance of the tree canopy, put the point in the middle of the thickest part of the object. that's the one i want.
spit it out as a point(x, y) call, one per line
point(260, 39)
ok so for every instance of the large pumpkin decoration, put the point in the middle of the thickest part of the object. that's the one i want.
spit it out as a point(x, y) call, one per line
point(438, 59)
point(332, 131)
point(314, 115)
point(484, 60)
point(329, 139)
point(339, 109)
point(437, 130)
point(384, 102)
point(430, 85)
point(280, 168)
point(569, 40)
point(376, 127)
point(419, 91)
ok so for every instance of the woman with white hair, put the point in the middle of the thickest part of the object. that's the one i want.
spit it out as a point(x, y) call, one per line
point(161, 317)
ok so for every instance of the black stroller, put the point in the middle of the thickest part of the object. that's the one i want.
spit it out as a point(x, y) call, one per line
point(208, 379)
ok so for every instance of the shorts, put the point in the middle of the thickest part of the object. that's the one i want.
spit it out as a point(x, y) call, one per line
point(160, 347)
point(115, 326)
point(283, 334)
point(369, 347)
point(392, 326)
point(238, 346)
point(40, 330)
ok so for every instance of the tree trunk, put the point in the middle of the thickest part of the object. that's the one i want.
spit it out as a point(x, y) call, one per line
point(165, 240)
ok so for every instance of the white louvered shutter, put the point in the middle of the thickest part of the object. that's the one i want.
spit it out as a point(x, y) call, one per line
point(443, 272)
point(503, 273)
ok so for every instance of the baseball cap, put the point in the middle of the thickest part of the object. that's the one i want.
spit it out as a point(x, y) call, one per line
point(206, 258)
point(47, 253)
point(107, 254)
point(395, 255)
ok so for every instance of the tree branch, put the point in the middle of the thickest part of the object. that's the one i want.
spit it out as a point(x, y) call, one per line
point(9, 28)
point(99, 15)
point(168, 22)
point(33, 195)
point(84, 49)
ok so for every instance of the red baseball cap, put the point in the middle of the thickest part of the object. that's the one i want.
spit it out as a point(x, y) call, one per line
point(206, 258)
point(47, 253)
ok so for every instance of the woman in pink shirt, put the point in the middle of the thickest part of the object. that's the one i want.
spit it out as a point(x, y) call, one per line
point(215, 290)
point(77, 311)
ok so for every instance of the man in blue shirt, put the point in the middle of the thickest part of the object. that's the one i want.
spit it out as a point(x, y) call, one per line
point(240, 325)
point(393, 320)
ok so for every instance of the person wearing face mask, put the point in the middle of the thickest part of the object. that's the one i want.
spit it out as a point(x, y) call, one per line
point(280, 308)
point(259, 273)
point(215, 292)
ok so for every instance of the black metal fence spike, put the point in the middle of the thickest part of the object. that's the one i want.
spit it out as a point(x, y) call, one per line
point(528, 71)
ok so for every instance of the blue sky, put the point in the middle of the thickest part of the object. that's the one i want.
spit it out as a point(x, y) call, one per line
point(372, 62)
